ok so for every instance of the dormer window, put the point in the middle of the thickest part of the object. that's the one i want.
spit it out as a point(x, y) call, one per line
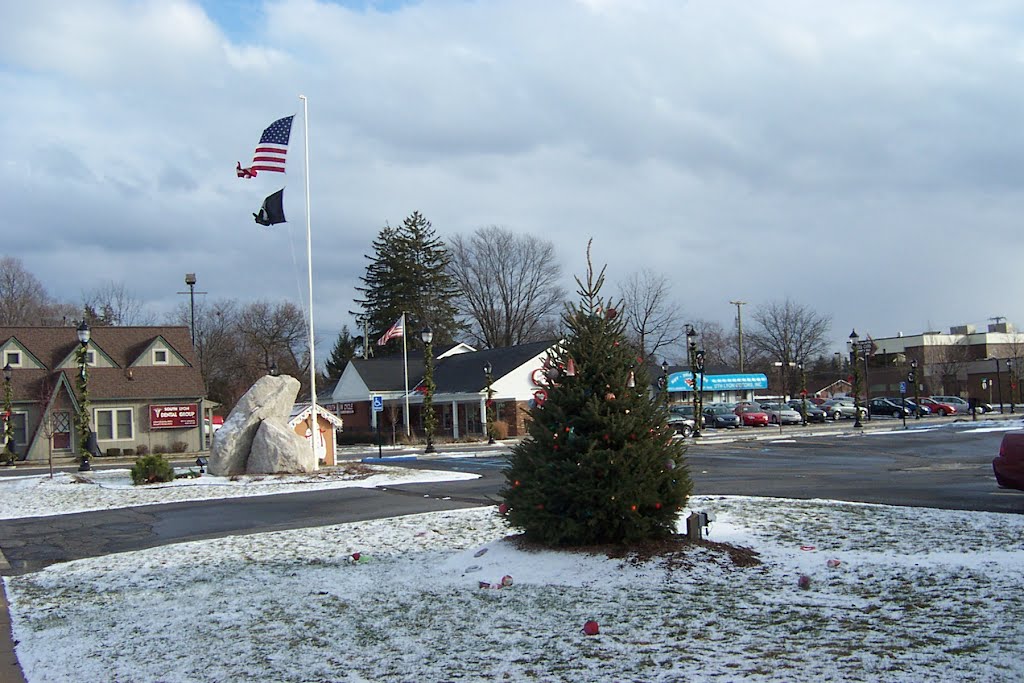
point(12, 358)
point(90, 358)
point(160, 357)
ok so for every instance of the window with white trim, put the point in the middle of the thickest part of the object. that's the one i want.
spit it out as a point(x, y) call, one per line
point(160, 357)
point(12, 358)
point(114, 424)
point(90, 358)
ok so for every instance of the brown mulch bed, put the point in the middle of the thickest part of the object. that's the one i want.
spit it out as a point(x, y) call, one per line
point(674, 552)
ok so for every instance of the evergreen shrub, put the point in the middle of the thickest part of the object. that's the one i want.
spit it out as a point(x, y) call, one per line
point(150, 469)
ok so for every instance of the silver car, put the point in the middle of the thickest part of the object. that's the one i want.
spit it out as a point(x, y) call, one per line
point(780, 413)
point(842, 407)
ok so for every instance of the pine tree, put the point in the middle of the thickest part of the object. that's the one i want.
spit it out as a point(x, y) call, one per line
point(341, 354)
point(599, 464)
point(409, 273)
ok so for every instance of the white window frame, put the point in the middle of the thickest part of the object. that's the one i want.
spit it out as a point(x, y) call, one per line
point(90, 358)
point(165, 361)
point(115, 435)
point(8, 355)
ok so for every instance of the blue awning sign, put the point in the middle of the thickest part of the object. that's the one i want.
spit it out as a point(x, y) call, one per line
point(686, 381)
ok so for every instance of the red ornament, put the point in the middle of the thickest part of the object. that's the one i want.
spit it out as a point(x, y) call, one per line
point(540, 506)
point(503, 509)
point(609, 396)
point(356, 556)
point(515, 483)
point(607, 438)
point(633, 508)
point(570, 368)
point(657, 506)
point(591, 628)
point(610, 314)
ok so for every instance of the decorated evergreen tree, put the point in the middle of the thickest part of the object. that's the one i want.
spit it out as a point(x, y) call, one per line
point(599, 464)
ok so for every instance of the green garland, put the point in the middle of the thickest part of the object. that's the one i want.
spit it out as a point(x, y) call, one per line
point(82, 385)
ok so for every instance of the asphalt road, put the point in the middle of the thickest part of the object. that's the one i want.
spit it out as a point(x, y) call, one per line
point(943, 468)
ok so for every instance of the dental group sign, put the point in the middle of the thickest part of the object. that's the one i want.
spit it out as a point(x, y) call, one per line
point(174, 417)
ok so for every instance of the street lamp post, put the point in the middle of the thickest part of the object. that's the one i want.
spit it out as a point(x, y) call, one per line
point(427, 335)
point(86, 437)
point(8, 453)
point(663, 383)
point(803, 392)
point(854, 339)
point(691, 346)
point(1013, 381)
point(190, 280)
point(489, 405)
point(912, 378)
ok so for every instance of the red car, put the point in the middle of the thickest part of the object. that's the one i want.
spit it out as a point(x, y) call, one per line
point(938, 408)
point(751, 416)
point(1009, 466)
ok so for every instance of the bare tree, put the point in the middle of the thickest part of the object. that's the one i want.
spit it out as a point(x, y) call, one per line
point(944, 365)
point(23, 299)
point(509, 291)
point(653, 320)
point(113, 304)
point(789, 332)
point(718, 344)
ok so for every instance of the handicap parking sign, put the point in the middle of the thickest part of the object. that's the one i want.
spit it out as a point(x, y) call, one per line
point(378, 404)
point(903, 387)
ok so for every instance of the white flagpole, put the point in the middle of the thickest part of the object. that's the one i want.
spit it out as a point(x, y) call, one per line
point(314, 426)
point(405, 356)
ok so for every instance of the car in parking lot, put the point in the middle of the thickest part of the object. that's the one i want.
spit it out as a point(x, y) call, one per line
point(938, 407)
point(963, 407)
point(814, 413)
point(721, 417)
point(682, 425)
point(883, 406)
point(837, 408)
point(751, 415)
point(1008, 466)
point(909, 403)
point(780, 413)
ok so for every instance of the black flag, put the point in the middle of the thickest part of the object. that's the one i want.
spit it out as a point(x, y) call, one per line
point(272, 211)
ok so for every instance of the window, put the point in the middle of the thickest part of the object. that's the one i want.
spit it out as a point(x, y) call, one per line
point(20, 422)
point(90, 358)
point(12, 358)
point(159, 356)
point(115, 424)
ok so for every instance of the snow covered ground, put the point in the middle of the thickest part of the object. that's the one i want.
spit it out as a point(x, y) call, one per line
point(892, 594)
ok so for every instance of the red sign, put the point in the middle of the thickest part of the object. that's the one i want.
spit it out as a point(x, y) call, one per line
point(174, 417)
point(340, 408)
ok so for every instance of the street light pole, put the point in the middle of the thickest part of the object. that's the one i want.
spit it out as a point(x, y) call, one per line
point(803, 392)
point(912, 378)
point(691, 346)
point(190, 280)
point(488, 405)
point(854, 339)
point(427, 335)
point(663, 382)
point(739, 329)
point(86, 437)
point(8, 454)
point(1013, 382)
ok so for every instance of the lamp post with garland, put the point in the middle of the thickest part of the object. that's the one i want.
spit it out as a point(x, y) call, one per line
point(427, 335)
point(489, 405)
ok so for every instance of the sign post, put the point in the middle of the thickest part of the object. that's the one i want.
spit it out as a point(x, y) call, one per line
point(903, 402)
point(378, 407)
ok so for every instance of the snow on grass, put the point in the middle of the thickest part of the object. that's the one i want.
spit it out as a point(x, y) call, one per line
point(38, 495)
point(918, 594)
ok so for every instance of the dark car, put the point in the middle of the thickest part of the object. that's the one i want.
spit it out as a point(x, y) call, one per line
point(721, 417)
point(883, 406)
point(909, 403)
point(814, 413)
point(1009, 465)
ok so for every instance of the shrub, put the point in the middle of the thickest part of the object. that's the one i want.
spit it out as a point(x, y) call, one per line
point(141, 449)
point(129, 451)
point(179, 447)
point(113, 452)
point(499, 428)
point(150, 469)
point(159, 448)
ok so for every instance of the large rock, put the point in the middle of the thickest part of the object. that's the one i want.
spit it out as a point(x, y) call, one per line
point(277, 448)
point(270, 397)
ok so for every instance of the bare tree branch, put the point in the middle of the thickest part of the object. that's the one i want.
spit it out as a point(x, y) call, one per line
point(653, 320)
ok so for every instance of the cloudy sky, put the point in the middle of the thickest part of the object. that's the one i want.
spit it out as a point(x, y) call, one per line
point(862, 158)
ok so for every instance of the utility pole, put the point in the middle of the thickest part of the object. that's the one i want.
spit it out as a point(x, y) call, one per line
point(190, 280)
point(739, 327)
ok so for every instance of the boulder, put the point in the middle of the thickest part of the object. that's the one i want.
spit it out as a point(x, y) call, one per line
point(269, 397)
point(278, 449)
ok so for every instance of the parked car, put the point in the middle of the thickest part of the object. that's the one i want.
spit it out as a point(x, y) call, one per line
point(963, 407)
point(883, 406)
point(814, 413)
point(683, 425)
point(938, 407)
point(751, 415)
point(1009, 465)
point(909, 403)
point(685, 411)
point(721, 417)
point(780, 413)
point(837, 408)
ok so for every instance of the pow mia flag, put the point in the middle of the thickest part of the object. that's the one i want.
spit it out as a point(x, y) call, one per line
point(272, 211)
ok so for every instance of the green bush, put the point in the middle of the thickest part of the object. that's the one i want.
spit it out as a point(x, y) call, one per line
point(113, 452)
point(142, 449)
point(151, 469)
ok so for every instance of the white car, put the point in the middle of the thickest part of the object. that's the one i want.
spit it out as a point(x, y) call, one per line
point(962, 406)
point(780, 413)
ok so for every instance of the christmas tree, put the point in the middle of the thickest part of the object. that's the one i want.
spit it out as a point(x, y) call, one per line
point(599, 464)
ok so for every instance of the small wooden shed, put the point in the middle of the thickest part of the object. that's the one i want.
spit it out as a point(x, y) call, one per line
point(327, 423)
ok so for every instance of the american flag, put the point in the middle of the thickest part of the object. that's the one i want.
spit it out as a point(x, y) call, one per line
point(270, 153)
point(395, 331)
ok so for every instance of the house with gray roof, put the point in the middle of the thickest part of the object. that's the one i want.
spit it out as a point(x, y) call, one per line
point(460, 395)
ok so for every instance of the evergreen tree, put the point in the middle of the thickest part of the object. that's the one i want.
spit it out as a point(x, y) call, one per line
point(409, 273)
point(599, 464)
point(341, 354)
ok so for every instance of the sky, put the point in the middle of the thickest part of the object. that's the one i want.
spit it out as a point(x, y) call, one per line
point(839, 591)
point(859, 158)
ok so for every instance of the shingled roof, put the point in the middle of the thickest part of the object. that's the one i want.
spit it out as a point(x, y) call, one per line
point(463, 372)
point(123, 346)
